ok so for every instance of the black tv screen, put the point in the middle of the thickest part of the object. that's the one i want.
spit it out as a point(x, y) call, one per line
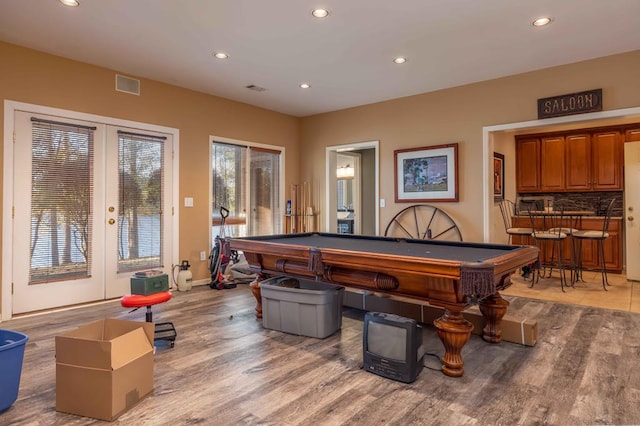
point(392, 346)
point(388, 341)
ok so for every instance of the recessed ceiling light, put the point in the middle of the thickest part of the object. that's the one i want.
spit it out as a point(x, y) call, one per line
point(72, 3)
point(399, 60)
point(320, 13)
point(305, 85)
point(541, 22)
point(221, 55)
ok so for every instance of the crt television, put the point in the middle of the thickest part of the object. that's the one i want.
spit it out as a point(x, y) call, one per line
point(392, 346)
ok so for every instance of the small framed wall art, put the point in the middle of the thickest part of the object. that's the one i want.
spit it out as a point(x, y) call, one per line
point(498, 176)
point(426, 174)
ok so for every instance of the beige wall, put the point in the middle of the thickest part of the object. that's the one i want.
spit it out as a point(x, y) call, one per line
point(453, 115)
point(37, 78)
point(459, 115)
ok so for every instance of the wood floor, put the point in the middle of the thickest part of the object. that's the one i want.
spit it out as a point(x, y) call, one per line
point(225, 369)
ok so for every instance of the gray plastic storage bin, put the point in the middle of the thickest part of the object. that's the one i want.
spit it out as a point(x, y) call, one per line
point(314, 309)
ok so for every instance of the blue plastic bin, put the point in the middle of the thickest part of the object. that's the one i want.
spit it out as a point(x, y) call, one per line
point(11, 354)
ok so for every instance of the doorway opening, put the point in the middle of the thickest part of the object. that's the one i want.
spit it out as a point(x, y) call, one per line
point(499, 134)
point(348, 199)
point(352, 190)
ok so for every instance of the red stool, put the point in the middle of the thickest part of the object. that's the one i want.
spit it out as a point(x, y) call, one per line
point(164, 330)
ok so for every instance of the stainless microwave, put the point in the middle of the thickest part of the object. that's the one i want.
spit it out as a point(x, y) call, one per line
point(534, 202)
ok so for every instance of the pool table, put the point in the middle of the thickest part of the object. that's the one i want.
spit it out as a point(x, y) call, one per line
point(451, 275)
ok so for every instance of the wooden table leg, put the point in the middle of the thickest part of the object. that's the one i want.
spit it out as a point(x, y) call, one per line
point(493, 309)
point(454, 332)
point(255, 290)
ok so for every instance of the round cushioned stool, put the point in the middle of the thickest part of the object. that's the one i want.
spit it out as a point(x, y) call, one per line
point(163, 330)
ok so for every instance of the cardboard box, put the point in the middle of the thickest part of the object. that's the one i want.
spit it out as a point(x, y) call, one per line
point(523, 331)
point(514, 329)
point(104, 368)
point(150, 285)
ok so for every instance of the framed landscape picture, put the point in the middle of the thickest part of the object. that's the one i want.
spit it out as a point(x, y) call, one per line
point(426, 174)
point(498, 176)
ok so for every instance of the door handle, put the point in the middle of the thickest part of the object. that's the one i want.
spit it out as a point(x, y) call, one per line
point(630, 218)
point(112, 221)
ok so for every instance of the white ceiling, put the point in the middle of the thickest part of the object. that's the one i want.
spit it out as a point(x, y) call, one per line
point(347, 57)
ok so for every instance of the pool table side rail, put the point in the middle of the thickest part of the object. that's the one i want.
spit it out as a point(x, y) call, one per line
point(446, 268)
point(309, 261)
point(376, 244)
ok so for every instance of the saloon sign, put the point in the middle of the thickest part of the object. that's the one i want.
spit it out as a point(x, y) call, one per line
point(574, 103)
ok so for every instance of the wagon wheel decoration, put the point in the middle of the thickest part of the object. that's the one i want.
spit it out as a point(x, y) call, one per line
point(423, 222)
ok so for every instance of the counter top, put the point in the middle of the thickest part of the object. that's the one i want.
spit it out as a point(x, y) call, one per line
point(563, 212)
point(567, 214)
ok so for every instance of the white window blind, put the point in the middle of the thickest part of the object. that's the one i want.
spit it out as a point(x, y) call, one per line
point(141, 185)
point(61, 197)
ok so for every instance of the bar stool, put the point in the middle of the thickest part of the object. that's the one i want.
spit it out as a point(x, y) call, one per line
point(508, 208)
point(543, 238)
point(164, 331)
point(565, 225)
point(599, 236)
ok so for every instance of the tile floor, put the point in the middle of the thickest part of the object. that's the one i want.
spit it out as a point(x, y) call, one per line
point(622, 295)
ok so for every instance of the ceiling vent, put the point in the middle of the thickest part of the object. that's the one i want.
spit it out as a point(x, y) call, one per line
point(256, 88)
point(127, 85)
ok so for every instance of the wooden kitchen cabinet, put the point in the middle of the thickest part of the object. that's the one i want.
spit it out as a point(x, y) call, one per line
point(528, 165)
point(540, 164)
point(631, 135)
point(594, 161)
point(571, 161)
point(607, 161)
point(578, 162)
point(552, 164)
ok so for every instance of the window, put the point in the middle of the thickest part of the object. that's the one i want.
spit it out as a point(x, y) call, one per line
point(265, 191)
point(246, 182)
point(140, 161)
point(61, 194)
point(229, 188)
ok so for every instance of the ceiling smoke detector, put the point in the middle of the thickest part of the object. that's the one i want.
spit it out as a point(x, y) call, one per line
point(256, 88)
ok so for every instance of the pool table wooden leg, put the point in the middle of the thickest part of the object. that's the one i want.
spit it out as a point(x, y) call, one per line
point(454, 332)
point(493, 309)
point(255, 290)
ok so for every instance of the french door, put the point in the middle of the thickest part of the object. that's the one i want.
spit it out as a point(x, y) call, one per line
point(90, 207)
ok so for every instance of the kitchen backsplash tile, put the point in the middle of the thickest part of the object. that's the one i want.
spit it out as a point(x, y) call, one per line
point(596, 201)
